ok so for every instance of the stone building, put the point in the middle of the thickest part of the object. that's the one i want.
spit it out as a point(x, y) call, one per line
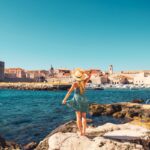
point(33, 74)
point(62, 73)
point(120, 79)
point(60, 76)
point(15, 73)
point(96, 72)
point(2, 67)
point(97, 77)
point(142, 79)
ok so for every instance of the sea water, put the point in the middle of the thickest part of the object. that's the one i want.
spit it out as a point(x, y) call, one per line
point(30, 115)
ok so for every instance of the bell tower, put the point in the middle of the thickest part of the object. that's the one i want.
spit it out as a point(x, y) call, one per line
point(51, 71)
point(111, 69)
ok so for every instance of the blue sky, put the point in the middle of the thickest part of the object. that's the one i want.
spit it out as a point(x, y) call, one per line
point(75, 33)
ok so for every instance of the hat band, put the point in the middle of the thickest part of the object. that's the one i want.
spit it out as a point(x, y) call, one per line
point(78, 76)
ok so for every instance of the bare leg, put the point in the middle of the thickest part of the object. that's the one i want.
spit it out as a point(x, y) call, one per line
point(79, 123)
point(84, 124)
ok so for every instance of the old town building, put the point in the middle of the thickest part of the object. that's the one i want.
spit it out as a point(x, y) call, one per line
point(2, 67)
point(142, 79)
point(15, 73)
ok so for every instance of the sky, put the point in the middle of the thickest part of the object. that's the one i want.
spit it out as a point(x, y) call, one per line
point(75, 33)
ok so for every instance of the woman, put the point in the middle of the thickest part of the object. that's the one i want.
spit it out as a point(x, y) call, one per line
point(79, 102)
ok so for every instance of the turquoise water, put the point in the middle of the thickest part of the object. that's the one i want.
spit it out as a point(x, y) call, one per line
point(30, 115)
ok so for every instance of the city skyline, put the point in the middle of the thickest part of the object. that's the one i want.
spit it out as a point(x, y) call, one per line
point(71, 34)
point(63, 68)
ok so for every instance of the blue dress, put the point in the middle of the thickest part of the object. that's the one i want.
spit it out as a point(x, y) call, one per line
point(79, 102)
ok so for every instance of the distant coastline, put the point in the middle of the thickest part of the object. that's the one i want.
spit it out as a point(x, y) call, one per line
point(65, 86)
point(34, 86)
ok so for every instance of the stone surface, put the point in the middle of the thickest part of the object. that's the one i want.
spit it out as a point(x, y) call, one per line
point(130, 136)
point(67, 127)
point(33, 86)
point(137, 101)
point(105, 137)
point(30, 146)
point(8, 145)
point(121, 110)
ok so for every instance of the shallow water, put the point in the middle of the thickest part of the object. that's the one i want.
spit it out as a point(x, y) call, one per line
point(30, 115)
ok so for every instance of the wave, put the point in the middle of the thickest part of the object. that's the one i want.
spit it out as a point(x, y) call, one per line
point(147, 101)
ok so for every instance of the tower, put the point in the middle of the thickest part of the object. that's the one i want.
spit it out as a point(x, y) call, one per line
point(51, 71)
point(111, 69)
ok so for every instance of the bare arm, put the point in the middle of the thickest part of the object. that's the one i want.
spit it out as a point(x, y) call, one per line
point(68, 94)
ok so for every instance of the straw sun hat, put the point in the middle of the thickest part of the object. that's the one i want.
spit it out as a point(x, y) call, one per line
point(79, 74)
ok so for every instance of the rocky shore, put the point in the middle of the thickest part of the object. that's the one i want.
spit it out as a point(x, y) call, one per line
point(132, 135)
point(8, 145)
point(129, 111)
point(105, 137)
point(33, 86)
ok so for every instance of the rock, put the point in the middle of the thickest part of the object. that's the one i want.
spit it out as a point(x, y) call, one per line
point(69, 141)
point(132, 113)
point(146, 114)
point(2, 142)
point(8, 145)
point(121, 110)
point(67, 127)
point(137, 101)
point(30, 146)
point(105, 137)
point(125, 135)
point(144, 123)
point(96, 109)
point(119, 115)
point(101, 130)
point(133, 134)
point(33, 86)
point(111, 109)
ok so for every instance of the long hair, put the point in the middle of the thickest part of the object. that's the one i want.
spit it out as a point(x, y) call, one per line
point(81, 86)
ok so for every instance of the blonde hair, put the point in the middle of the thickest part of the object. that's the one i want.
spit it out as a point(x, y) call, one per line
point(81, 85)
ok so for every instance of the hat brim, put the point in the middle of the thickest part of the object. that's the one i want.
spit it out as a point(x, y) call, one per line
point(82, 78)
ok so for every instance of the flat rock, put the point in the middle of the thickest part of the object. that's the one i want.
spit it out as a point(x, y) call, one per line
point(70, 141)
point(127, 134)
point(105, 137)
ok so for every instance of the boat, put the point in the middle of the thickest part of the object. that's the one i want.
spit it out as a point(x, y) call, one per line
point(97, 87)
point(94, 87)
point(134, 88)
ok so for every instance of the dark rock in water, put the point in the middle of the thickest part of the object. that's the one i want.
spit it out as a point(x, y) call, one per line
point(30, 146)
point(96, 109)
point(132, 113)
point(121, 110)
point(111, 109)
point(119, 114)
point(2, 142)
point(137, 101)
point(8, 145)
